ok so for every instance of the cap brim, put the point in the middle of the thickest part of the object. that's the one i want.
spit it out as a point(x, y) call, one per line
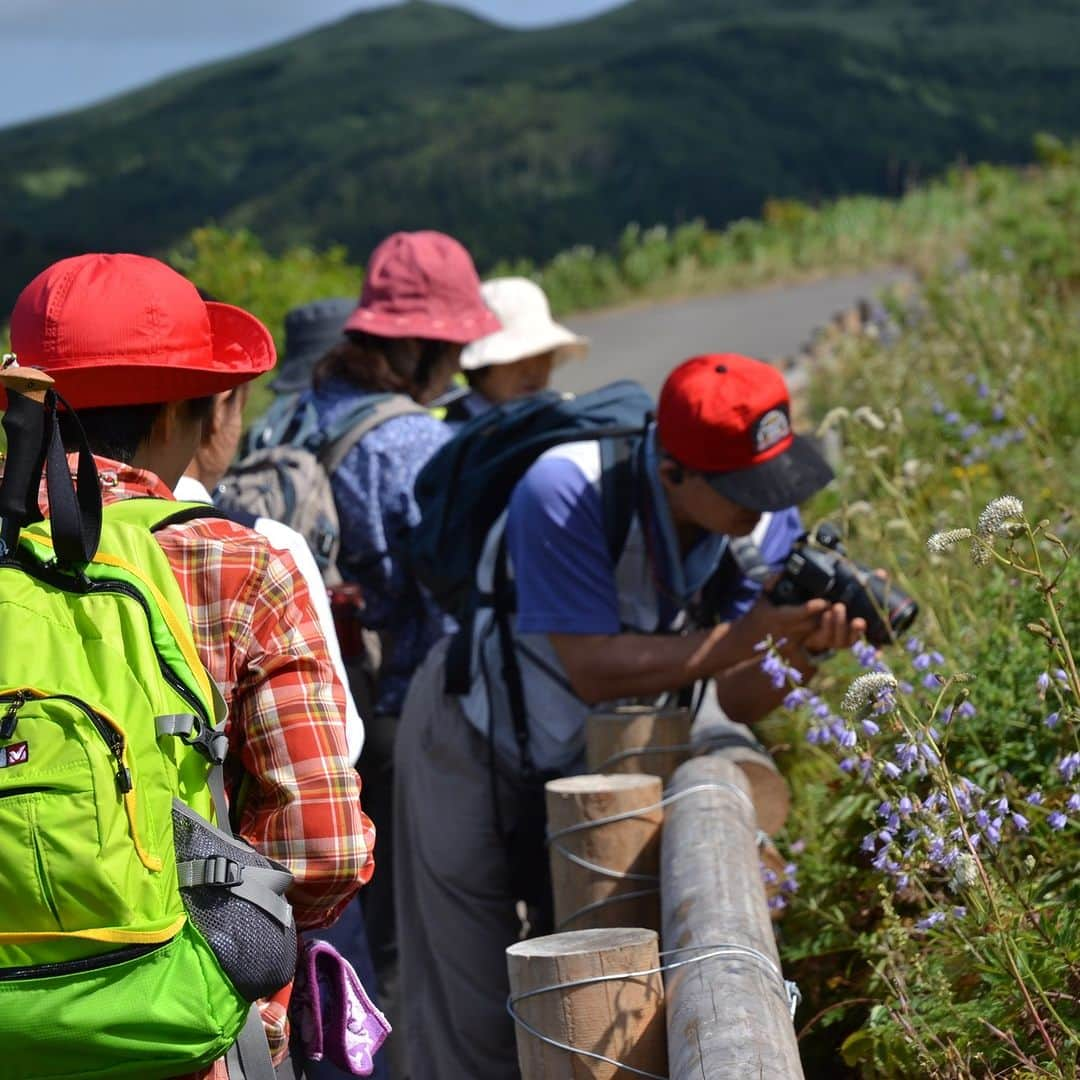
point(508, 347)
point(243, 347)
point(296, 368)
point(242, 350)
point(783, 481)
point(459, 331)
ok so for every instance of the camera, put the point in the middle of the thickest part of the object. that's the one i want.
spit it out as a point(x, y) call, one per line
point(822, 568)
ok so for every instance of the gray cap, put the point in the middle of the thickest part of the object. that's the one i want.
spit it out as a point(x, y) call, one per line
point(310, 331)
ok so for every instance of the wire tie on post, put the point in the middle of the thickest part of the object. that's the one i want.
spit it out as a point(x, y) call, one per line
point(625, 875)
point(643, 751)
point(790, 990)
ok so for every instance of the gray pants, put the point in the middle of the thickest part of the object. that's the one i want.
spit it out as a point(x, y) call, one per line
point(455, 905)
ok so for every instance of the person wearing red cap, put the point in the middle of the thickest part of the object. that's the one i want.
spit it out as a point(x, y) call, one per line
point(420, 305)
point(721, 462)
point(138, 354)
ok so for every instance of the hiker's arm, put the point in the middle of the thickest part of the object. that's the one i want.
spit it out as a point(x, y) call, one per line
point(746, 693)
point(607, 667)
point(300, 799)
point(287, 539)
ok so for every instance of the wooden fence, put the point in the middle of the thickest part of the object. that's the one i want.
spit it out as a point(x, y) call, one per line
point(589, 1000)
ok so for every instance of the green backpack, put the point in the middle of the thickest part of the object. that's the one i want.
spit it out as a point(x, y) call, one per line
point(135, 933)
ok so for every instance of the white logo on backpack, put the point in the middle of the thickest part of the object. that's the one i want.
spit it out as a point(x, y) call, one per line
point(15, 754)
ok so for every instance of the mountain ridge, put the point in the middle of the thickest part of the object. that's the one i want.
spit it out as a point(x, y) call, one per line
point(525, 142)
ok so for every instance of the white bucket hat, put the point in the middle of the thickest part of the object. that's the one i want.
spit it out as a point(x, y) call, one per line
point(528, 328)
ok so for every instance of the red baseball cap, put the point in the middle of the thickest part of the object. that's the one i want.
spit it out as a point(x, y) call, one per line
point(423, 285)
point(729, 417)
point(129, 330)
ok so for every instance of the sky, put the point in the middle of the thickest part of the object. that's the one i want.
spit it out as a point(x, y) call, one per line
point(63, 54)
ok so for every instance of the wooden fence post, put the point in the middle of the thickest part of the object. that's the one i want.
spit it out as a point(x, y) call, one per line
point(728, 1017)
point(643, 738)
point(629, 847)
point(637, 738)
point(621, 1019)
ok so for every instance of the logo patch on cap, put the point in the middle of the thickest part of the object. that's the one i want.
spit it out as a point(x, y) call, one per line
point(771, 429)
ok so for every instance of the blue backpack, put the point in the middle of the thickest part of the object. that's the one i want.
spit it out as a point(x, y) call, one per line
point(466, 486)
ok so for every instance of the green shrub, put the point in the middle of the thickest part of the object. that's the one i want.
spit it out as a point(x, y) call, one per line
point(235, 268)
point(792, 239)
point(923, 952)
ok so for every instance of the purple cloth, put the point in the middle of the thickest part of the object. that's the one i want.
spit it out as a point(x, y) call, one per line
point(337, 1018)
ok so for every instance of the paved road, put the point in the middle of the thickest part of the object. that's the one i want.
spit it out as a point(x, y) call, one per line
point(645, 343)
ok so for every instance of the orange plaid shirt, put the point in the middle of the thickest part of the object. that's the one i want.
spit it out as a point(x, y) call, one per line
point(259, 638)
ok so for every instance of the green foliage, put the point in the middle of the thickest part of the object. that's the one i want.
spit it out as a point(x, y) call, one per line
point(1004, 216)
point(968, 392)
point(235, 268)
point(525, 144)
point(1043, 247)
point(931, 223)
point(958, 395)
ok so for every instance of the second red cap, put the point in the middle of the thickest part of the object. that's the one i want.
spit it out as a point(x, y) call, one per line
point(729, 416)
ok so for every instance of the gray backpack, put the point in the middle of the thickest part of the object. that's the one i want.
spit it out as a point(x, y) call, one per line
point(287, 463)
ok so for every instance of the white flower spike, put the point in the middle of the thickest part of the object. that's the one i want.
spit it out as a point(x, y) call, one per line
point(868, 689)
point(999, 513)
point(942, 541)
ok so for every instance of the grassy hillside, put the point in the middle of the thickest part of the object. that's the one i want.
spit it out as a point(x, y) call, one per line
point(525, 143)
point(934, 927)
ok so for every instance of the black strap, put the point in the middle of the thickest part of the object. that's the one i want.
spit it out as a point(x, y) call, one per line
point(459, 658)
point(74, 508)
point(239, 516)
point(24, 426)
point(249, 1058)
point(618, 479)
point(456, 412)
point(35, 447)
point(511, 669)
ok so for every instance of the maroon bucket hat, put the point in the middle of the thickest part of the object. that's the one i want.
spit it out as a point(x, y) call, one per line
point(423, 285)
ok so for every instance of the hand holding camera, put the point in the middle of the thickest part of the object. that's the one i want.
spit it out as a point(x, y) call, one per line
point(823, 569)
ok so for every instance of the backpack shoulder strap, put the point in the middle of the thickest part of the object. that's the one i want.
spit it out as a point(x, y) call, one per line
point(289, 416)
point(157, 514)
point(336, 448)
point(237, 515)
point(617, 482)
point(618, 477)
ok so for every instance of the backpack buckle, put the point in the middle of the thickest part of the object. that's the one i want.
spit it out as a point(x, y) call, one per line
point(216, 871)
point(213, 743)
point(223, 872)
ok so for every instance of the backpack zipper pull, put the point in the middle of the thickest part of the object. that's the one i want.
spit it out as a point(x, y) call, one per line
point(11, 717)
point(123, 780)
